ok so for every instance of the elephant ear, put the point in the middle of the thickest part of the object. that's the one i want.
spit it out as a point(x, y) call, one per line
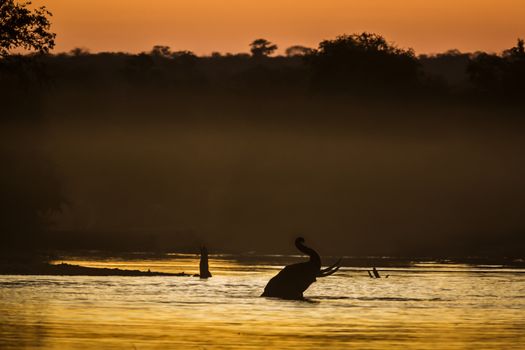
point(330, 270)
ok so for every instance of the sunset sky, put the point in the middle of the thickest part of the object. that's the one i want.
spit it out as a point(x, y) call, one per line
point(204, 26)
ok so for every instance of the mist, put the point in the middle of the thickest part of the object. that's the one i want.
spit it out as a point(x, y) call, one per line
point(244, 186)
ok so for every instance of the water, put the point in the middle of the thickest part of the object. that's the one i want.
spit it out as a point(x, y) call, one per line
point(424, 306)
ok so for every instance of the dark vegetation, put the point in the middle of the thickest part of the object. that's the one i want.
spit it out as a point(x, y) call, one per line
point(361, 67)
point(43, 268)
point(22, 28)
point(358, 79)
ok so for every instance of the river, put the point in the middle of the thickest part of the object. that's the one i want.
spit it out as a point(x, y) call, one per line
point(424, 305)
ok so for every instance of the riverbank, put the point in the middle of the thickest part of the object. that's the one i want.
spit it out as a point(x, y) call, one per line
point(74, 270)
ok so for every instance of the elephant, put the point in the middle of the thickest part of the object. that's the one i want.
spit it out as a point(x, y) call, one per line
point(293, 280)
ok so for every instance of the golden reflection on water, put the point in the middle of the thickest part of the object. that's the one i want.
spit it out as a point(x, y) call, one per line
point(187, 263)
point(416, 308)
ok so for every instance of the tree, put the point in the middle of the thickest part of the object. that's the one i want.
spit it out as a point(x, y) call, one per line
point(486, 71)
point(161, 51)
point(500, 76)
point(363, 62)
point(514, 73)
point(79, 51)
point(298, 50)
point(516, 52)
point(262, 48)
point(21, 27)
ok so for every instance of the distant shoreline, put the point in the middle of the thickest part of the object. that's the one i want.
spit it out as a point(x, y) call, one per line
point(45, 269)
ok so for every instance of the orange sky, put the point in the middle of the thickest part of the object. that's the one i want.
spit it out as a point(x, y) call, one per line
point(204, 26)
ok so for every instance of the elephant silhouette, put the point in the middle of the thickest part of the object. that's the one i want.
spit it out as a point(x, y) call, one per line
point(293, 280)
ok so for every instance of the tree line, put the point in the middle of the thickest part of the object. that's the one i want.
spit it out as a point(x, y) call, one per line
point(355, 65)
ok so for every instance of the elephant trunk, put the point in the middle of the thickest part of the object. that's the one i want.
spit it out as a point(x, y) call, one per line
point(315, 259)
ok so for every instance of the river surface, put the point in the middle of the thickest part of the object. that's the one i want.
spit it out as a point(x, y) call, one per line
point(420, 306)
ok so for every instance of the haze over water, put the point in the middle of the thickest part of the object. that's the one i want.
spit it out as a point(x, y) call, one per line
point(423, 306)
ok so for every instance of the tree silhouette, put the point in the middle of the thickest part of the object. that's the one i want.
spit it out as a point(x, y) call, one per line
point(514, 73)
point(516, 52)
point(446, 69)
point(298, 50)
point(499, 76)
point(161, 51)
point(262, 48)
point(363, 63)
point(485, 71)
point(22, 28)
point(79, 51)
